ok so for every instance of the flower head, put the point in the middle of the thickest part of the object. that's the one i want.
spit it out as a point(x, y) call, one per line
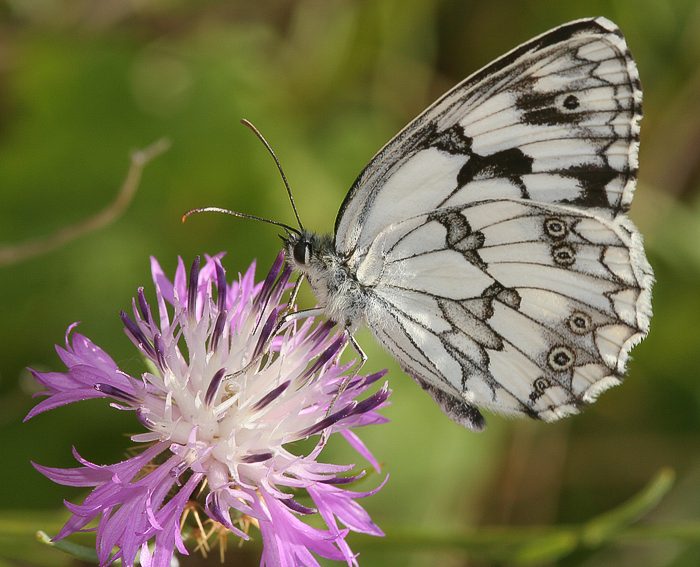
point(226, 392)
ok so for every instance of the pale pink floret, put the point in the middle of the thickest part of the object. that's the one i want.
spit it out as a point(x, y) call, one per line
point(206, 421)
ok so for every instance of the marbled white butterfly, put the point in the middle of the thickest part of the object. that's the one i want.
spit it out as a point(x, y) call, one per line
point(487, 245)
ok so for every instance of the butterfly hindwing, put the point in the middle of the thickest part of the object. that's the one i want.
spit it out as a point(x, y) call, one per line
point(507, 304)
point(555, 120)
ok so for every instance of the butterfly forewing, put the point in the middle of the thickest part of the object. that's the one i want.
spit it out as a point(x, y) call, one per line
point(555, 120)
point(490, 234)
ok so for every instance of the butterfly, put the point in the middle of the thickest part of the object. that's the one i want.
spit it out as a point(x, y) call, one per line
point(487, 247)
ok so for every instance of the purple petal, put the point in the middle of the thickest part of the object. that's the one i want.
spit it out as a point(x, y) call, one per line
point(218, 332)
point(56, 381)
point(180, 283)
point(373, 401)
point(280, 285)
point(144, 308)
point(267, 330)
point(372, 378)
point(326, 355)
point(293, 540)
point(256, 457)
point(296, 507)
point(213, 388)
point(62, 399)
point(339, 480)
point(129, 526)
point(136, 334)
point(217, 508)
point(328, 421)
point(81, 350)
point(355, 442)
point(167, 536)
point(116, 393)
point(268, 284)
point(164, 293)
point(221, 286)
point(333, 501)
point(91, 474)
point(271, 396)
point(247, 283)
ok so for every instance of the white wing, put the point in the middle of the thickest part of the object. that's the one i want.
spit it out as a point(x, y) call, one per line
point(491, 232)
point(510, 305)
point(556, 120)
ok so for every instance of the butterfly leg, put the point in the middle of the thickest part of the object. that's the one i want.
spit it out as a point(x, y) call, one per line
point(358, 349)
point(303, 314)
point(287, 309)
point(346, 380)
point(293, 296)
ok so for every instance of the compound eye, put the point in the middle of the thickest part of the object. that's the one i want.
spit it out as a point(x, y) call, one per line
point(302, 252)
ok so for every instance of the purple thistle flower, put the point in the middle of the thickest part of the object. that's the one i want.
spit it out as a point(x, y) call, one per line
point(221, 401)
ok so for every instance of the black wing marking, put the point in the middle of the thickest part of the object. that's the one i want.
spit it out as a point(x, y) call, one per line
point(509, 305)
point(555, 121)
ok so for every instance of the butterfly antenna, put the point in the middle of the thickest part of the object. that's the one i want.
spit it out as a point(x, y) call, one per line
point(260, 137)
point(289, 229)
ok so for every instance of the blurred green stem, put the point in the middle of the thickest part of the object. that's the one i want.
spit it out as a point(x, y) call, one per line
point(528, 545)
point(78, 551)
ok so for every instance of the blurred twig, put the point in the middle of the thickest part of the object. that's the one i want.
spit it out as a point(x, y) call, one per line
point(24, 250)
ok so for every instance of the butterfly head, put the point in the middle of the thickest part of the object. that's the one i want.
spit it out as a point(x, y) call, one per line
point(300, 247)
point(335, 286)
point(308, 252)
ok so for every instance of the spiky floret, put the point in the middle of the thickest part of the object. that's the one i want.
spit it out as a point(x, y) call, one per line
point(225, 394)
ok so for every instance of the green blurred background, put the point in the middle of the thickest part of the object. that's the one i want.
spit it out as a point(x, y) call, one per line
point(83, 83)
